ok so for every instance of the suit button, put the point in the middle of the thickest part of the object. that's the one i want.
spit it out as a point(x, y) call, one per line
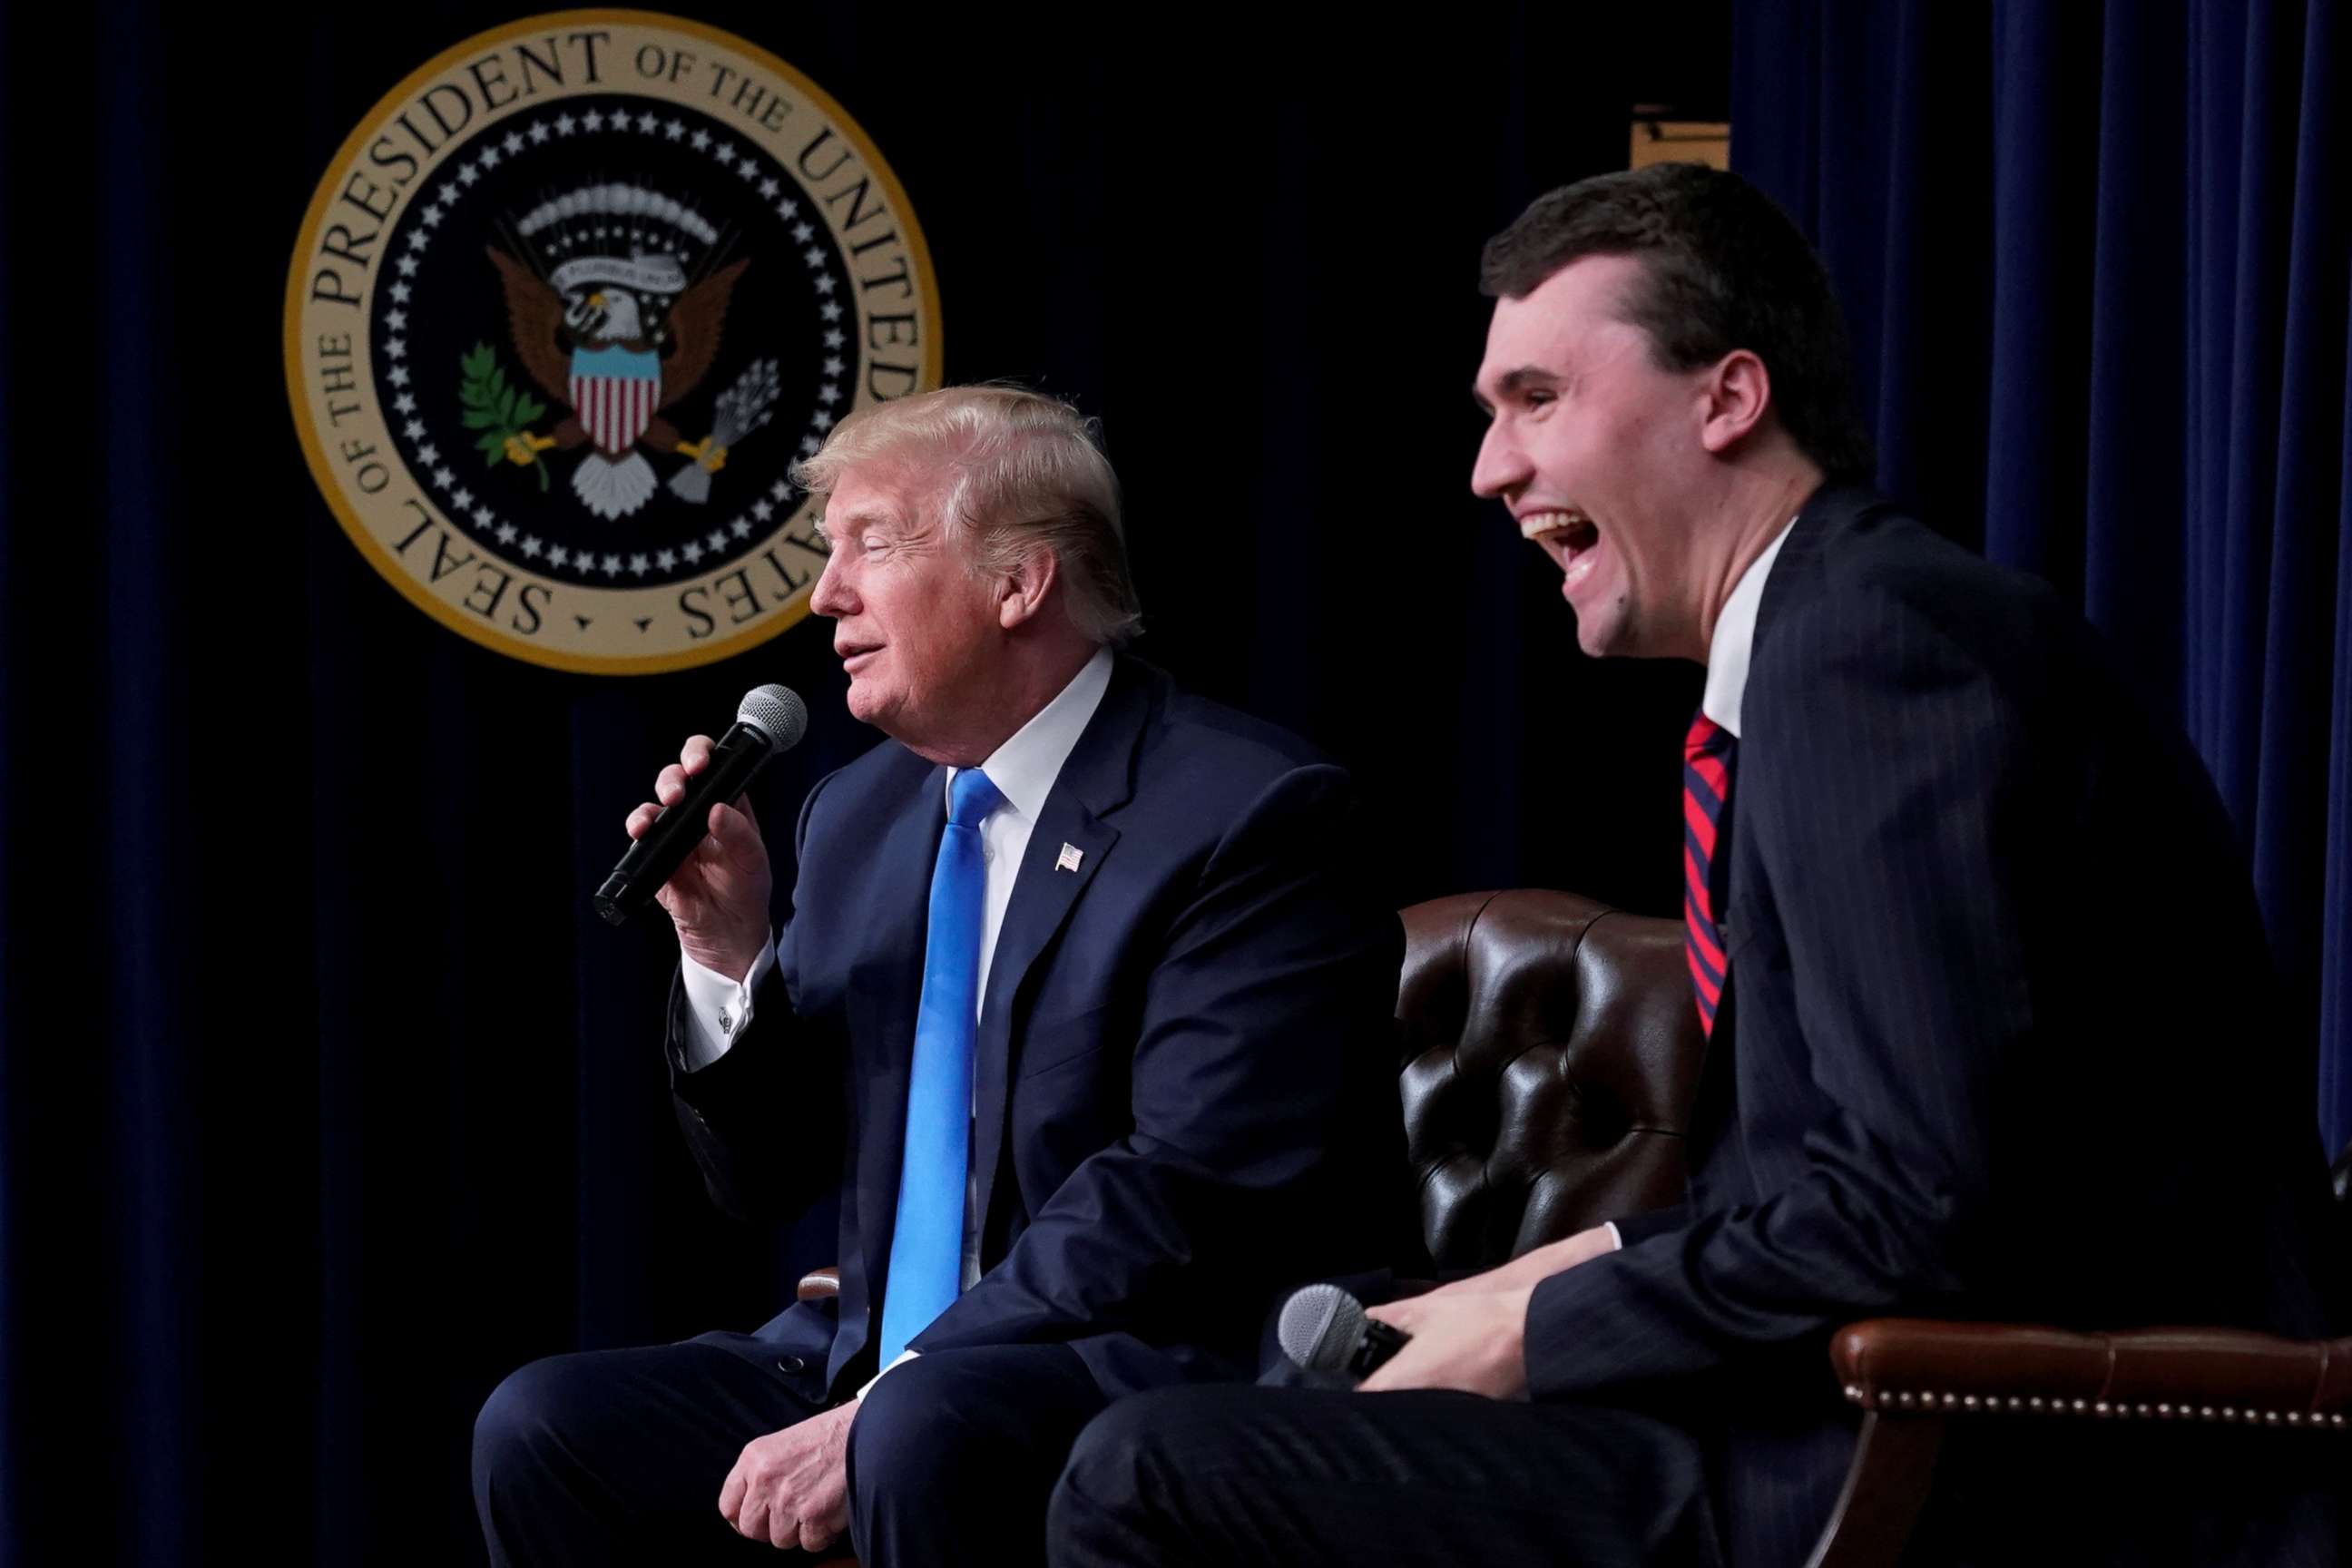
point(791, 1366)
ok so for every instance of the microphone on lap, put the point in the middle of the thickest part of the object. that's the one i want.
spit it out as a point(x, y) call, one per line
point(772, 720)
point(1324, 1329)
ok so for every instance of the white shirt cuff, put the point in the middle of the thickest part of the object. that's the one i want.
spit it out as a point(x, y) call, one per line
point(1616, 1241)
point(904, 1357)
point(718, 1008)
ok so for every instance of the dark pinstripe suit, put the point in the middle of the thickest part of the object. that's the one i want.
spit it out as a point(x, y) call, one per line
point(1994, 1043)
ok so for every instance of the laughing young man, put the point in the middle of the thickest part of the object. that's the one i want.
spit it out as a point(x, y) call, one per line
point(1937, 849)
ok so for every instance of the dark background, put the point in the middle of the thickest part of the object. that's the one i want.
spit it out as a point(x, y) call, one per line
point(324, 1098)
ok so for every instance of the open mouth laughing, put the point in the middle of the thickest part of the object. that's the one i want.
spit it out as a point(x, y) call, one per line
point(1568, 537)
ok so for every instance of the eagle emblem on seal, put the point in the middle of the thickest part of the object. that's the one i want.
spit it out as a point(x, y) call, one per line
point(616, 302)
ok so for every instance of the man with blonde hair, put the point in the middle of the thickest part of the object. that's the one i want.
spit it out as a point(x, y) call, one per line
point(1077, 996)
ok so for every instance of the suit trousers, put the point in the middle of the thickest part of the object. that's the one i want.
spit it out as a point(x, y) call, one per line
point(617, 1456)
point(1289, 1478)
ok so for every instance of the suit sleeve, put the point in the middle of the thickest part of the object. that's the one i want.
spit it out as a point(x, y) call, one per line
point(1888, 794)
point(1266, 1016)
point(1634, 1227)
point(760, 1159)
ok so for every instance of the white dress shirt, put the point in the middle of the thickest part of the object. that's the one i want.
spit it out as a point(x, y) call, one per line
point(1727, 661)
point(1024, 770)
point(1735, 639)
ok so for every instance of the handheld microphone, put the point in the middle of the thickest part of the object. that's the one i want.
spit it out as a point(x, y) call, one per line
point(772, 718)
point(1324, 1329)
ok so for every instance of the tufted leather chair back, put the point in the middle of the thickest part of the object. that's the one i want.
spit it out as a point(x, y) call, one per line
point(1551, 1052)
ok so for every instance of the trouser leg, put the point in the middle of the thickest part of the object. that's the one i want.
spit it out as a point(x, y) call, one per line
point(1237, 1475)
point(618, 1456)
point(954, 1454)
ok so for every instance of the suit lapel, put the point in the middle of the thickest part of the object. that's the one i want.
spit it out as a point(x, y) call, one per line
point(1796, 576)
point(886, 990)
point(1095, 779)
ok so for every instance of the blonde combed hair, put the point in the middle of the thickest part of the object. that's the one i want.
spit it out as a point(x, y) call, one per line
point(1025, 473)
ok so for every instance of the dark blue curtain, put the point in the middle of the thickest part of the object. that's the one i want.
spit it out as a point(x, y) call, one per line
point(324, 1102)
point(2097, 262)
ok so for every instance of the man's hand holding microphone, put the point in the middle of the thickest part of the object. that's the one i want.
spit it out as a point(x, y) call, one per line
point(696, 848)
point(1470, 1335)
point(720, 895)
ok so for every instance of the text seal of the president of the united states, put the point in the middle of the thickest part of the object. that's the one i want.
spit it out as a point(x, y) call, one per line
point(563, 313)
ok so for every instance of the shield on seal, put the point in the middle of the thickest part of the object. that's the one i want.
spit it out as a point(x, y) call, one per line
point(616, 391)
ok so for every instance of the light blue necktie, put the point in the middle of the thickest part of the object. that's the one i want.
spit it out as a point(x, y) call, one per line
point(927, 1245)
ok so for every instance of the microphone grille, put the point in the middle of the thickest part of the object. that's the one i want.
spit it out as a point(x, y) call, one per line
point(778, 712)
point(1318, 1326)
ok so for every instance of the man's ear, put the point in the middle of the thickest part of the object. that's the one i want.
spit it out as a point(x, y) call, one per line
point(1022, 592)
point(1739, 393)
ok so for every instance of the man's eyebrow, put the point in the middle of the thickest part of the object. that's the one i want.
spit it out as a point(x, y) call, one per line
point(862, 517)
point(1514, 381)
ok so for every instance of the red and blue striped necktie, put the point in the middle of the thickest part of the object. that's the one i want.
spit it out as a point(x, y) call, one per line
point(1707, 785)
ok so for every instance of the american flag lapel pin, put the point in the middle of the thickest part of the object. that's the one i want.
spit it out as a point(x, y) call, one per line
point(1069, 857)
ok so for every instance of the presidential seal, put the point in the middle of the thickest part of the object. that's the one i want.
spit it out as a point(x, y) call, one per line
point(565, 309)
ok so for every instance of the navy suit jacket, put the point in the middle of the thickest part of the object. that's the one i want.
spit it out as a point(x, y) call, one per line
point(1996, 1043)
point(1185, 1085)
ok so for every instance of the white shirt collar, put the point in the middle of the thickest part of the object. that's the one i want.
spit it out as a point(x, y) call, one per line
point(1735, 639)
point(1024, 767)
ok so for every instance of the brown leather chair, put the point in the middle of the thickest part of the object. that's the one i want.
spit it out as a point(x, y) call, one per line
point(1551, 1054)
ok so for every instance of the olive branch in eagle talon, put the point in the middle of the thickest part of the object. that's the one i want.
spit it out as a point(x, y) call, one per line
point(503, 414)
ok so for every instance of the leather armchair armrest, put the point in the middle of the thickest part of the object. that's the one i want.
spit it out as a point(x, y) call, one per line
point(1912, 1375)
point(821, 1284)
point(1919, 1365)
